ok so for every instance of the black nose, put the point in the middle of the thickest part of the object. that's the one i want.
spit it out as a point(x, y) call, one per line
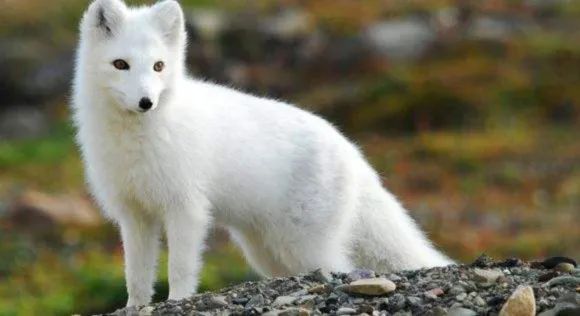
point(145, 104)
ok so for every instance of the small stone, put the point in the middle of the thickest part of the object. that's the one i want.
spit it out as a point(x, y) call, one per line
point(461, 296)
point(240, 300)
point(218, 301)
point(460, 311)
point(284, 300)
point(520, 303)
point(372, 287)
point(456, 289)
point(146, 311)
point(294, 312)
point(564, 267)
point(306, 300)
point(483, 261)
point(359, 274)
point(564, 280)
point(439, 311)
point(414, 301)
point(256, 300)
point(321, 276)
point(434, 293)
point(552, 262)
point(318, 289)
point(346, 311)
point(486, 276)
point(479, 301)
point(548, 276)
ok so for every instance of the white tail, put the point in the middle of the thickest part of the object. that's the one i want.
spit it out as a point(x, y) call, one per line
point(387, 239)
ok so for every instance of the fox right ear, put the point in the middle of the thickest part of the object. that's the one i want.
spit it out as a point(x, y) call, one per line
point(104, 17)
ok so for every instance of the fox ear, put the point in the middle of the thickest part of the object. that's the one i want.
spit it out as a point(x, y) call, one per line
point(104, 17)
point(169, 18)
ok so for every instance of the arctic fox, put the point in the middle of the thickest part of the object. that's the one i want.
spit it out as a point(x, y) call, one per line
point(164, 152)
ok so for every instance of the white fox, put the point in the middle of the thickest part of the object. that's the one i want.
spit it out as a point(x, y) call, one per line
point(166, 152)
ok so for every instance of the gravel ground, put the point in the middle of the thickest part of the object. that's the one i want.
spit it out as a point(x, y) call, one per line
point(549, 287)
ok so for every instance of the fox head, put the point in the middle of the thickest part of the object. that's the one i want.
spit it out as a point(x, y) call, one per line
point(134, 55)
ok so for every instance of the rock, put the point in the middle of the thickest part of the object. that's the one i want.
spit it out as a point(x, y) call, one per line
point(372, 287)
point(284, 300)
point(318, 289)
point(218, 301)
point(483, 261)
point(460, 311)
point(256, 300)
point(294, 312)
point(486, 276)
point(359, 274)
point(456, 289)
point(434, 293)
point(461, 296)
point(414, 301)
point(552, 262)
point(565, 267)
point(346, 311)
point(479, 301)
point(521, 303)
point(548, 276)
point(321, 276)
point(564, 280)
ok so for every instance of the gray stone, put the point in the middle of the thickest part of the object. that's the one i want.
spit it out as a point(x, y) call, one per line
point(373, 287)
point(346, 311)
point(284, 300)
point(359, 274)
point(564, 280)
point(460, 311)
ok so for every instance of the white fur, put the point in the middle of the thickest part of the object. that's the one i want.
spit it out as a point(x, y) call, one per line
point(293, 192)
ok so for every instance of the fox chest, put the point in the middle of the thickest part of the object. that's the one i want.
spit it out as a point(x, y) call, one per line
point(146, 173)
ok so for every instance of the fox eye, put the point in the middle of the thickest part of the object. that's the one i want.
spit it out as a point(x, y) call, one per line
point(158, 66)
point(121, 64)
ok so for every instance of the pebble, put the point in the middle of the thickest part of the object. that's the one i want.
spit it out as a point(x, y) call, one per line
point(479, 301)
point(218, 301)
point(461, 311)
point(461, 296)
point(321, 276)
point(564, 267)
point(346, 311)
point(434, 293)
point(284, 300)
point(564, 280)
point(414, 301)
point(456, 289)
point(318, 289)
point(486, 276)
point(520, 303)
point(372, 287)
point(359, 274)
point(256, 300)
point(294, 312)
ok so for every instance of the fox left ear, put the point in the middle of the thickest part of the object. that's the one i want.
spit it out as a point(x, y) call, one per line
point(169, 17)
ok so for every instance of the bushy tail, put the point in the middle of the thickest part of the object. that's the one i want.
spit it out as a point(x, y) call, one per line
point(387, 239)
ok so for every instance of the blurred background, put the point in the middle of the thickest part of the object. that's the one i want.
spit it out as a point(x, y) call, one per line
point(469, 109)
